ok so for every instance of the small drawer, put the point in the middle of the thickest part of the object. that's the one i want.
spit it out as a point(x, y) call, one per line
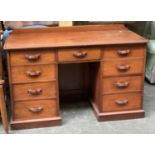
point(124, 52)
point(122, 67)
point(34, 91)
point(79, 54)
point(24, 74)
point(122, 84)
point(121, 102)
point(32, 57)
point(29, 110)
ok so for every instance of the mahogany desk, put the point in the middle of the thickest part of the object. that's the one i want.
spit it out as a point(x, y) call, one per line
point(115, 59)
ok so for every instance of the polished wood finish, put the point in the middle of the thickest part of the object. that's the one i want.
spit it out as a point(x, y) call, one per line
point(30, 57)
point(35, 123)
point(112, 59)
point(71, 36)
point(27, 110)
point(120, 115)
point(122, 67)
point(121, 102)
point(34, 91)
point(33, 73)
point(126, 51)
point(122, 84)
point(78, 54)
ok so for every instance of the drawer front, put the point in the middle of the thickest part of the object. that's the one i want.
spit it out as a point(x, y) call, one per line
point(34, 91)
point(124, 52)
point(121, 102)
point(79, 54)
point(32, 57)
point(28, 110)
point(122, 84)
point(122, 67)
point(23, 74)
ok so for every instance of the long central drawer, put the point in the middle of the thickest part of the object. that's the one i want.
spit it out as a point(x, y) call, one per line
point(78, 54)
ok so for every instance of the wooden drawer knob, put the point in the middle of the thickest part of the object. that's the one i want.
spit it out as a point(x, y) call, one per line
point(36, 109)
point(122, 84)
point(33, 73)
point(124, 52)
point(32, 57)
point(121, 102)
point(80, 54)
point(34, 91)
point(123, 68)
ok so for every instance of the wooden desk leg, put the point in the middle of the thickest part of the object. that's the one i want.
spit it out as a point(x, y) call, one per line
point(3, 110)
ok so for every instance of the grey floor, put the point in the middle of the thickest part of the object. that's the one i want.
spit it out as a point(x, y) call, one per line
point(79, 118)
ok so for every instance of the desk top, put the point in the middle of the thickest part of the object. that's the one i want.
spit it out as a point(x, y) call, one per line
point(109, 34)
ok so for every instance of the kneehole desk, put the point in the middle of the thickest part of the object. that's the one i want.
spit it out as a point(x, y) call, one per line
point(115, 60)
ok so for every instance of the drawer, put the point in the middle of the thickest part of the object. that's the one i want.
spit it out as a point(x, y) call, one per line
point(29, 57)
point(34, 91)
point(79, 54)
point(122, 67)
point(124, 52)
point(121, 102)
point(122, 84)
point(28, 110)
point(24, 74)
